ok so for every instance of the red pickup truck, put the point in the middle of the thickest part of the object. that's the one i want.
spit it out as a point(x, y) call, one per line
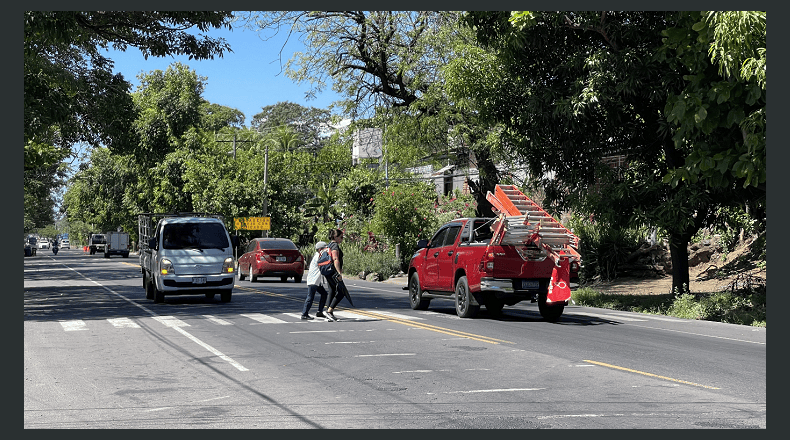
point(523, 254)
point(460, 262)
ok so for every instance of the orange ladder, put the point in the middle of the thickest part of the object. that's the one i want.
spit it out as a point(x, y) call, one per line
point(522, 221)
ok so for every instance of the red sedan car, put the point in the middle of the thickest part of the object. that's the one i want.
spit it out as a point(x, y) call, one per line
point(271, 257)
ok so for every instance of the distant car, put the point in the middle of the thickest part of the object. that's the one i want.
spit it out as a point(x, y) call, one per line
point(64, 244)
point(43, 243)
point(271, 257)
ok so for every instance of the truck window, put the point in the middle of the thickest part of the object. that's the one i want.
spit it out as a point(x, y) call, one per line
point(452, 234)
point(438, 239)
point(194, 235)
point(482, 232)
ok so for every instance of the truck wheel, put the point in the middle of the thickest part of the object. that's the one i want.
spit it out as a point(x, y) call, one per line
point(106, 255)
point(415, 294)
point(552, 312)
point(149, 287)
point(159, 296)
point(494, 306)
point(126, 254)
point(225, 296)
point(463, 300)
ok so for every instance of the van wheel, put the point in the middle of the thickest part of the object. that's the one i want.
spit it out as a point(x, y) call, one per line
point(415, 294)
point(225, 296)
point(463, 300)
point(159, 296)
point(149, 287)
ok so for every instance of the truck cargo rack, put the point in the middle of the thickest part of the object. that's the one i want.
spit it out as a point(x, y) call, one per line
point(147, 221)
point(523, 222)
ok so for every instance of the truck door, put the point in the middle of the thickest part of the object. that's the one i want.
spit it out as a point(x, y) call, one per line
point(446, 257)
point(431, 274)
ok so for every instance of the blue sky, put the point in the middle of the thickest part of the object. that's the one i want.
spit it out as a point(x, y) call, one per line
point(246, 79)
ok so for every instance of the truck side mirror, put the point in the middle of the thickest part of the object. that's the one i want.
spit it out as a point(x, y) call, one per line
point(422, 244)
point(152, 243)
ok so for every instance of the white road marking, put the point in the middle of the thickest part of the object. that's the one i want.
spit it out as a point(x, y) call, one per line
point(351, 315)
point(216, 320)
point(180, 330)
point(123, 323)
point(264, 319)
point(386, 354)
point(603, 316)
point(494, 391)
point(563, 416)
point(397, 315)
point(171, 321)
point(74, 325)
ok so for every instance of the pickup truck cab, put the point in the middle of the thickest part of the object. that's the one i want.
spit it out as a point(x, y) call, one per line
point(461, 263)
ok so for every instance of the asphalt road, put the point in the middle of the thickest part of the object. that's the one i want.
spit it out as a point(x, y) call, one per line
point(97, 354)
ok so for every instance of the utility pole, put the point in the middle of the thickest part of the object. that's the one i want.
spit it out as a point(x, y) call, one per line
point(265, 233)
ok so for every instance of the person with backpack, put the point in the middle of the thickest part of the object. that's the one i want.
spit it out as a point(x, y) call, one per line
point(336, 280)
point(315, 283)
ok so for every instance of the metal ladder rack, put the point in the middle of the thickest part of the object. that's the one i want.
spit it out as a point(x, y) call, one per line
point(522, 222)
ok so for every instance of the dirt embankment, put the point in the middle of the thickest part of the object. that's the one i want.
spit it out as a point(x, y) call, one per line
point(711, 270)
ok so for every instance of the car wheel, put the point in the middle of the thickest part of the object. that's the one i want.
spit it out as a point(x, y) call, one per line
point(552, 312)
point(225, 296)
point(415, 294)
point(298, 279)
point(283, 279)
point(463, 300)
point(253, 278)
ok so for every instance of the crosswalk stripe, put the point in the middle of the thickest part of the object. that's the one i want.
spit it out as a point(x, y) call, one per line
point(171, 321)
point(397, 315)
point(74, 325)
point(264, 319)
point(123, 323)
point(216, 320)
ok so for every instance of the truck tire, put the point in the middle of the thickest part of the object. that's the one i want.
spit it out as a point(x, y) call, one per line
point(225, 296)
point(126, 254)
point(463, 300)
point(148, 285)
point(552, 312)
point(106, 255)
point(415, 294)
point(159, 296)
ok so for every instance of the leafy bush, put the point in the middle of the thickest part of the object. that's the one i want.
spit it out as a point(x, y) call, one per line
point(604, 248)
point(357, 259)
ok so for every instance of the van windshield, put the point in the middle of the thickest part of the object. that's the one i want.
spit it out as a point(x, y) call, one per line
point(194, 236)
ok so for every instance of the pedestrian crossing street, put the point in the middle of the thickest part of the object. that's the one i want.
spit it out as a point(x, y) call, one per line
point(240, 319)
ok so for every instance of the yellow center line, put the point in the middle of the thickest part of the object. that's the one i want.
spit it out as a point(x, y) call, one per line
point(383, 317)
point(650, 374)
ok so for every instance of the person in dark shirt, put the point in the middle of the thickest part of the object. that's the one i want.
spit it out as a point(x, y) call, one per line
point(335, 282)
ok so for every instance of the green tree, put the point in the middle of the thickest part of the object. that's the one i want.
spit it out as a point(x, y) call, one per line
point(404, 214)
point(388, 66)
point(573, 88)
point(71, 95)
point(309, 122)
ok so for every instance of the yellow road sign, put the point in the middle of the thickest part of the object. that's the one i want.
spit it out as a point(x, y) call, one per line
point(253, 223)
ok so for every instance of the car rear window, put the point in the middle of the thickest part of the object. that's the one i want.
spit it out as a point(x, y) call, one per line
point(194, 236)
point(277, 244)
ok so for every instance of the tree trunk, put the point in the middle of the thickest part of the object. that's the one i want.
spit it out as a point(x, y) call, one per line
point(678, 251)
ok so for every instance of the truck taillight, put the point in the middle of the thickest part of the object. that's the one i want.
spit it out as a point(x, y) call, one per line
point(487, 263)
